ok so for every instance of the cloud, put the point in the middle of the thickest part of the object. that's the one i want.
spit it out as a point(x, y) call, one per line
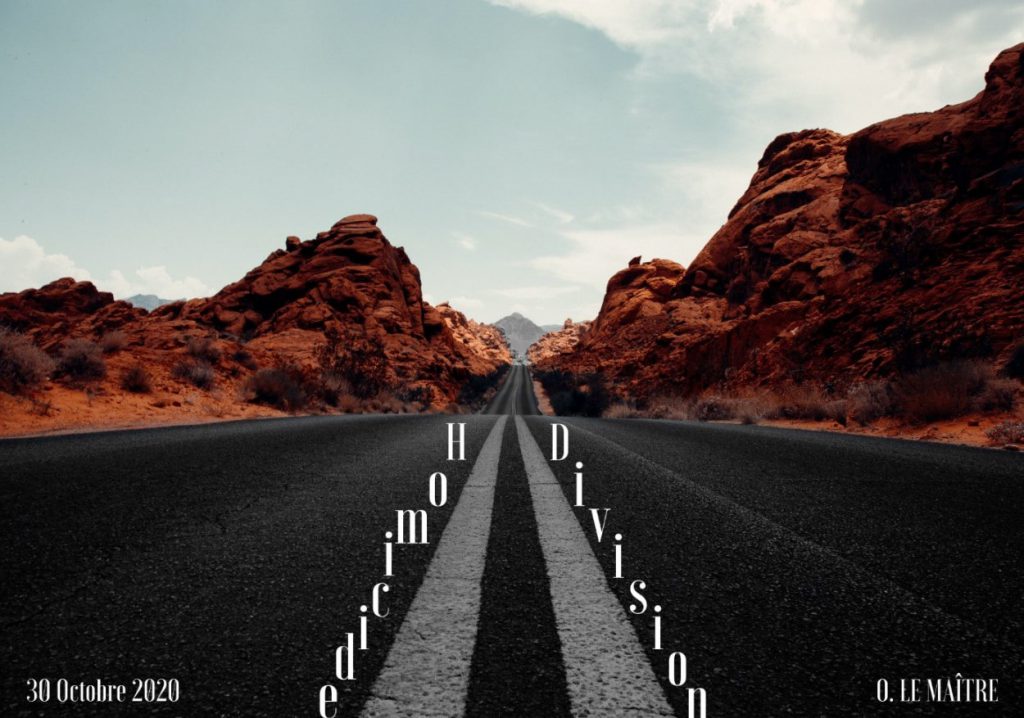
point(465, 241)
point(27, 264)
point(535, 292)
point(802, 63)
point(594, 255)
point(560, 215)
point(509, 219)
point(465, 303)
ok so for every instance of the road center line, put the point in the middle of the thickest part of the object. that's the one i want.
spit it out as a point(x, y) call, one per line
point(606, 670)
point(427, 669)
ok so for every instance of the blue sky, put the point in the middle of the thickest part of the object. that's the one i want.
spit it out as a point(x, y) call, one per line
point(520, 150)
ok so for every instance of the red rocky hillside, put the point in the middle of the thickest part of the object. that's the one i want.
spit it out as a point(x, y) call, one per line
point(346, 302)
point(848, 257)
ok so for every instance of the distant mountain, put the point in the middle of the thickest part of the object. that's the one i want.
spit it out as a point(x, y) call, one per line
point(520, 332)
point(149, 302)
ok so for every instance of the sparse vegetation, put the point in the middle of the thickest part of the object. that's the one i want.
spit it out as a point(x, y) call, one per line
point(1007, 432)
point(203, 349)
point(81, 360)
point(197, 373)
point(136, 380)
point(23, 365)
point(113, 341)
point(943, 391)
point(279, 387)
point(478, 390)
point(1015, 366)
point(361, 368)
point(244, 357)
point(869, 401)
point(572, 395)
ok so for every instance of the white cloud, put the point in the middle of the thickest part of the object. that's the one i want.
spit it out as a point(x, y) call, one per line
point(536, 292)
point(27, 264)
point(560, 215)
point(465, 241)
point(507, 218)
point(803, 63)
point(465, 303)
point(594, 255)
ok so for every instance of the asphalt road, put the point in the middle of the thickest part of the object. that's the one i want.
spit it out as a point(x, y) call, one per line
point(793, 569)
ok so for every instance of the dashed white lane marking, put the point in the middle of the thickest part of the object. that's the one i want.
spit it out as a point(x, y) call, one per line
point(605, 667)
point(427, 670)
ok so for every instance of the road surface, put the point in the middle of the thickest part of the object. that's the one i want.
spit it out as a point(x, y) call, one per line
point(794, 570)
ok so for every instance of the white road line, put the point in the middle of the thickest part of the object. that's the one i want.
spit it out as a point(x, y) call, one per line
point(605, 667)
point(427, 670)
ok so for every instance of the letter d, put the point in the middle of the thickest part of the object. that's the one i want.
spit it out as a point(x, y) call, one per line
point(346, 672)
point(556, 431)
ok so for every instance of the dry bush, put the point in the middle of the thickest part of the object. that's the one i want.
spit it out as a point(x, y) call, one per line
point(1015, 366)
point(998, 395)
point(244, 357)
point(113, 342)
point(279, 387)
point(806, 403)
point(203, 349)
point(622, 410)
point(869, 401)
point(1008, 432)
point(136, 380)
point(23, 365)
point(197, 373)
point(81, 359)
point(942, 392)
point(713, 408)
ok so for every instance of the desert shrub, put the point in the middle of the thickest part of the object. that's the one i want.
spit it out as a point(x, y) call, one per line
point(622, 410)
point(941, 392)
point(279, 387)
point(576, 395)
point(197, 373)
point(997, 395)
point(1015, 365)
point(203, 349)
point(331, 388)
point(869, 401)
point(113, 341)
point(1008, 432)
point(362, 363)
point(23, 365)
point(136, 380)
point(808, 403)
point(713, 408)
point(244, 357)
point(81, 359)
point(415, 395)
point(478, 389)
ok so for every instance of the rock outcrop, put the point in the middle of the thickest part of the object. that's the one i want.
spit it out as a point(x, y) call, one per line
point(348, 288)
point(63, 308)
point(559, 341)
point(847, 257)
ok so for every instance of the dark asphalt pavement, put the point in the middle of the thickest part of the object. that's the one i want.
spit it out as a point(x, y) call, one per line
point(794, 569)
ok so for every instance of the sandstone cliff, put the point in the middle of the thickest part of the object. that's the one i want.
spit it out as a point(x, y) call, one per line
point(848, 257)
point(332, 310)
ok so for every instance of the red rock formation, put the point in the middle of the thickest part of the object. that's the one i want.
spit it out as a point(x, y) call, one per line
point(349, 283)
point(63, 308)
point(562, 341)
point(479, 341)
point(847, 257)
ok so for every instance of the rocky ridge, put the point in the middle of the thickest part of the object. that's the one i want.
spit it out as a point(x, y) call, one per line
point(848, 257)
